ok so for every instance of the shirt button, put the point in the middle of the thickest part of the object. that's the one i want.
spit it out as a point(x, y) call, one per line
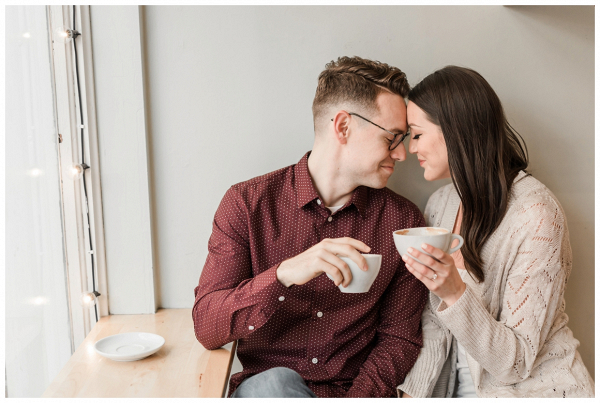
point(318, 202)
point(320, 314)
point(251, 327)
point(281, 298)
point(314, 360)
point(330, 219)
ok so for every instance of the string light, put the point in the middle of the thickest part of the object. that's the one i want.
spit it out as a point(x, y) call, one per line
point(87, 298)
point(90, 298)
point(63, 35)
point(78, 169)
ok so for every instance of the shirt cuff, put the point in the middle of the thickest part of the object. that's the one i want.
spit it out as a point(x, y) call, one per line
point(273, 292)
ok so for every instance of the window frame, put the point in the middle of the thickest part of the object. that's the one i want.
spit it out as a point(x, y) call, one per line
point(73, 205)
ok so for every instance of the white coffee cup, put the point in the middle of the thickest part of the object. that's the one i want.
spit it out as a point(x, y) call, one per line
point(361, 280)
point(437, 237)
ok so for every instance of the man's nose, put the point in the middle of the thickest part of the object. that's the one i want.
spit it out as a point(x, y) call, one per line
point(399, 153)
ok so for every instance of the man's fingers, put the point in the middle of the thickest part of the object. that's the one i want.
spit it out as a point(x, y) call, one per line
point(342, 267)
point(355, 243)
point(333, 271)
point(348, 251)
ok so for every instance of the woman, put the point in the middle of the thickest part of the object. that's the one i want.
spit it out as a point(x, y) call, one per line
point(495, 324)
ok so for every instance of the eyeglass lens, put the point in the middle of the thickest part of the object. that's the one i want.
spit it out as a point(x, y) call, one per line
point(397, 140)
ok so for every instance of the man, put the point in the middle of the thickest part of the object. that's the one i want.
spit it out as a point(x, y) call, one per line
point(275, 235)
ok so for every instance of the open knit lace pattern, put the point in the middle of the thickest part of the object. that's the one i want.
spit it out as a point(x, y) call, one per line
point(513, 325)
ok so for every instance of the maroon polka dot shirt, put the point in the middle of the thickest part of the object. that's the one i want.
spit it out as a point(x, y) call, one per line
point(343, 345)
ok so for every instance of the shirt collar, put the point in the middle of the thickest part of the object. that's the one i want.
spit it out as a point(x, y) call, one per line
point(359, 199)
point(306, 191)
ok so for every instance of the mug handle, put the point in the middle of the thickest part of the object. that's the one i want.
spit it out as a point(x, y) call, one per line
point(461, 241)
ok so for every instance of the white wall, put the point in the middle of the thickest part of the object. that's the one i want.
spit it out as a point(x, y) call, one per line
point(229, 93)
point(38, 331)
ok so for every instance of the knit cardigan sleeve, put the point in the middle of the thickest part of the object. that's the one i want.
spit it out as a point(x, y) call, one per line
point(421, 379)
point(536, 255)
point(437, 340)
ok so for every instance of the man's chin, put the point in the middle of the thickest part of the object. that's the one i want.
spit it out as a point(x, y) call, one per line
point(377, 180)
point(378, 184)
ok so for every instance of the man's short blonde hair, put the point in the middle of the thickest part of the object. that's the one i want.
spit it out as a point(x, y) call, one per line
point(357, 81)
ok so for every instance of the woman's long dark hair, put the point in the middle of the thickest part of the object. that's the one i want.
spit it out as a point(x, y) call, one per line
point(485, 153)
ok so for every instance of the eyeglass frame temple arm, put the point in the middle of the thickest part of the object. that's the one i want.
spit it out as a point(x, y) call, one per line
point(387, 131)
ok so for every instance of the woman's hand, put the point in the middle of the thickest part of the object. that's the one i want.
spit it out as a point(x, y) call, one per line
point(440, 275)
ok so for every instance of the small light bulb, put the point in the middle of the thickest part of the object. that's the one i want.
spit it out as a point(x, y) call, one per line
point(26, 35)
point(64, 35)
point(88, 299)
point(77, 170)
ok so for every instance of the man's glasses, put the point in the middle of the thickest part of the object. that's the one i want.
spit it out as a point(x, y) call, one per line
point(398, 137)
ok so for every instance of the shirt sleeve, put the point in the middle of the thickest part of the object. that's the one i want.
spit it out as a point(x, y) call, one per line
point(399, 337)
point(538, 266)
point(231, 303)
point(437, 341)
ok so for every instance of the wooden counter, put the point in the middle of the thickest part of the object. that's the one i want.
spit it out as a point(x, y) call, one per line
point(181, 368)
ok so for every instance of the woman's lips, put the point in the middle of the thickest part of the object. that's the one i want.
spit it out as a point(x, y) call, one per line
point(421, 162)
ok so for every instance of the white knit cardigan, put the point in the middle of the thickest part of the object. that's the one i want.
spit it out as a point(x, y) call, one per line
point(513, 325)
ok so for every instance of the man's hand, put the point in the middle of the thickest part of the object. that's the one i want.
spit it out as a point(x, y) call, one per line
point(322, 258)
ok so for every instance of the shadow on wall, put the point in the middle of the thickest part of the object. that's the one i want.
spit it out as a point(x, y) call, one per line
point(577, 21)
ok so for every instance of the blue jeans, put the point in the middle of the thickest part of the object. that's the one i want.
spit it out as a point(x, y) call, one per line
point(275, 382)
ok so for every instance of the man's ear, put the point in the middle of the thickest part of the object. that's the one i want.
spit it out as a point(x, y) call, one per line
point(341, 123)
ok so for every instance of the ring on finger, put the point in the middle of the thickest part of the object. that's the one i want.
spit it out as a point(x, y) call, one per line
point(434, 276)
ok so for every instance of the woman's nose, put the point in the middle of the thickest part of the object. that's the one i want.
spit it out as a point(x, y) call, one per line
point(412, 146)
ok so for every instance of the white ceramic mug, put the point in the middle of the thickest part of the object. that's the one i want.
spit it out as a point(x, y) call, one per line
point(437, 237)
point(361, 280)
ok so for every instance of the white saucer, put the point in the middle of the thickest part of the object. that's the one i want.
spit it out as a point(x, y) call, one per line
point(129, 346)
